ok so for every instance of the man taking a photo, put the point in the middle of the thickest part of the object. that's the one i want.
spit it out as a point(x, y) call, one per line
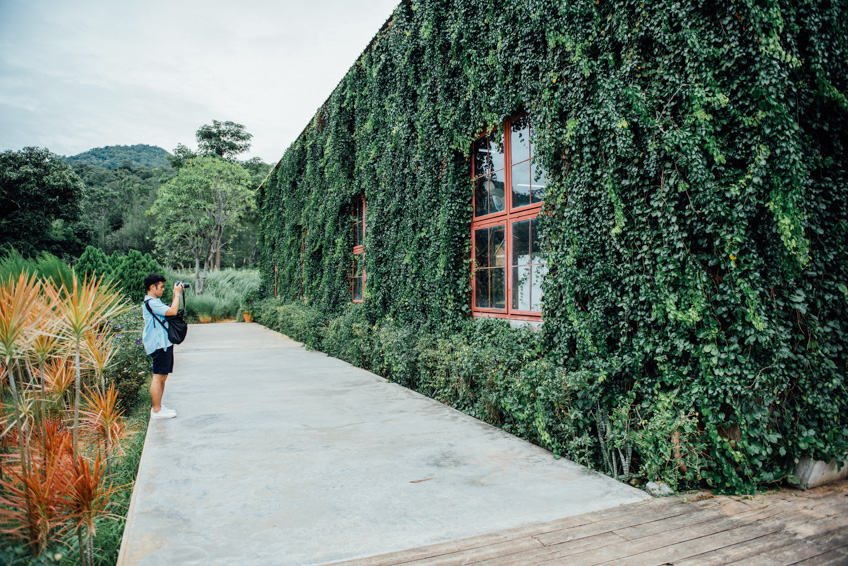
point(156, 342)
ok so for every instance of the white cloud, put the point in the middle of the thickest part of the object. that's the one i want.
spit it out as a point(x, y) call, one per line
point(77, 75)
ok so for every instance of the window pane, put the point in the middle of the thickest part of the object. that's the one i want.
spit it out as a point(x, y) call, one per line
point(482, 162)
point(539, 182)
point(481, 247)
point(521, 184)
point(538, 255)
point(481, 288)
point(520, 140)
point(538, 276)
point(521, 288)
point(498, 288)
point(357, 289)
point(481, 196)
point(496, 150)
point(497, 247)
point(496, 192)
point(521, 242)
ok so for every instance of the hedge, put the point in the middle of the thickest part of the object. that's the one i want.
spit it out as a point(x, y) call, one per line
point(695, 224)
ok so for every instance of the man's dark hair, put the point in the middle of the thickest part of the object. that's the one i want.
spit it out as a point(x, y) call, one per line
point(152, 279)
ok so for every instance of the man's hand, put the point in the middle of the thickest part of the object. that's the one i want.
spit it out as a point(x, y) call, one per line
point(178, 289)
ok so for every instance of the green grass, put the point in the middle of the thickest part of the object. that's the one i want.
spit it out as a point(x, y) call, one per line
point(45, 265)
point(222, 296)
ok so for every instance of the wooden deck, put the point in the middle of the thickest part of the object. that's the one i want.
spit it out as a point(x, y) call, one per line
point(786, 527)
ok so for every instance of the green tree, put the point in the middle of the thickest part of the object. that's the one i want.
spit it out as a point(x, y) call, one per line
point(115, 202)
point(40, 200)
point(131, 271)
point(183, 155)
point(93, 263)
point(195, 208)
point(224, 139)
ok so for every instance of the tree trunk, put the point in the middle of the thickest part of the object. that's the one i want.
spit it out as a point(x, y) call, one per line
point(197, 275)
point(205, 268)
point(218, 238)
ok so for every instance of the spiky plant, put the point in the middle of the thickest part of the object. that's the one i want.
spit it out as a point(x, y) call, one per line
point(103, 419)
point(20, 317)
point(98, 348)
point(34, 505)
point(45, 345)
point(80, 309)
point(59, 378)
point(88, 498)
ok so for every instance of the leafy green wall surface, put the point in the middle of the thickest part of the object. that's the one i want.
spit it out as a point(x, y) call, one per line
point(695, 223)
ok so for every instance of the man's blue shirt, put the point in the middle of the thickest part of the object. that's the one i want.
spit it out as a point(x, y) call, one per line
point(154, 335)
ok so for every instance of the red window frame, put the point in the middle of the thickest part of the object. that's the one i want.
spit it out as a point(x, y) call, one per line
point(357, 218)
point(506, 218)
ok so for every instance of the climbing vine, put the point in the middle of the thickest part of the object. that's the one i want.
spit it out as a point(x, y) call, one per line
point(695, 223)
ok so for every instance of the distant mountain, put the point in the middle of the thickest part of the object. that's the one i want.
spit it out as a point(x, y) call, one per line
point(112, 156)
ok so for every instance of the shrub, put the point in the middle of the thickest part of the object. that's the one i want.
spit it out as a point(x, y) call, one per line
point(93, 263)
point(223, 295)
point(129, 273)
point(131, 366)
point(45, 265)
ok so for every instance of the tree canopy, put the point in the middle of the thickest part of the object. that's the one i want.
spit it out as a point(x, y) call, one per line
point(40, 198)
point(114, 156)
point(193, 210)
point(224, 139)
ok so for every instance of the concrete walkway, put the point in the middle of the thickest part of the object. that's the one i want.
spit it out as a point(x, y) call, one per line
point(284, 456)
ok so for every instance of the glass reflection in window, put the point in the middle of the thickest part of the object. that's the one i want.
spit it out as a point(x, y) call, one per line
point(528, 266)
point(490, 272)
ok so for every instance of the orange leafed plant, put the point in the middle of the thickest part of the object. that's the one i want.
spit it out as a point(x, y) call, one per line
point(104, 419)
point(59, 377)
point(34, 504)
point(88, 498)
point(20, 316)
point(98, 349)
point(80, 310)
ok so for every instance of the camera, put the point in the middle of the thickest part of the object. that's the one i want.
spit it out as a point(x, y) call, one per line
point(183, 284)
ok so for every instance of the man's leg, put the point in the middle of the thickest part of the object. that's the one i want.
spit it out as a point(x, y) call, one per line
point(157, 388)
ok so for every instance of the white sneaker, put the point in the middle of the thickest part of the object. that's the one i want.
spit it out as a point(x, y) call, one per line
point(167, 410)
point(162, 414)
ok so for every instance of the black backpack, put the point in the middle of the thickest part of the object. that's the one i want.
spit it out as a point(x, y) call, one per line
point(177, 327)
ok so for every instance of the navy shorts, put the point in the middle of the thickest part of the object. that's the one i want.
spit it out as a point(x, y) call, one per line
point(163, 361)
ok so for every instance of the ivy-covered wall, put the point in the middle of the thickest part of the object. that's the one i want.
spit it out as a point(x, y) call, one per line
point(695, 224)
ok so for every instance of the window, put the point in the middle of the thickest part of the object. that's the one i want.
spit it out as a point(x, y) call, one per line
point(509, 191)
point(357, 272)
point(303, 237)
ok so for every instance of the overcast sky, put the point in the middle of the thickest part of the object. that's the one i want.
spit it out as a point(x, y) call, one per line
point(81, 74)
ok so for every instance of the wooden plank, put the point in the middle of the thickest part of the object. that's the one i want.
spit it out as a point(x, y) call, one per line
point(717, 530)
point(833, 535)
point(786, 524)
point(646, 515)
point(836, 557)
point(480, 554)
point(479, 541)
point(739, 551)
point(662, 526)
point(543, 554)
point(723, 536)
